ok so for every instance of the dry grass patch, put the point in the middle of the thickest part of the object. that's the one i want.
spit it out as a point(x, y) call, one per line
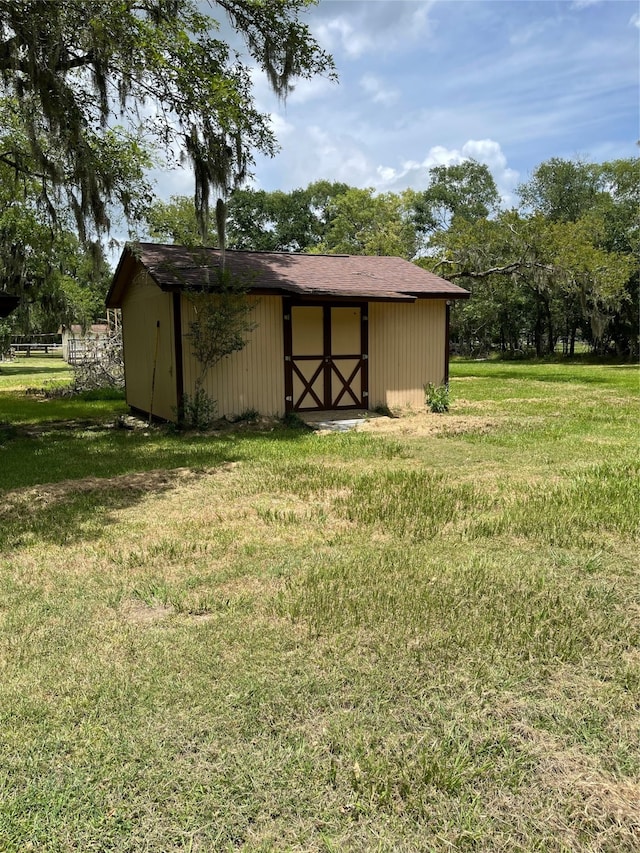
point(140, 613)
point(147, 481)
point(604, 807)
point(374, 641)
point(412, 424)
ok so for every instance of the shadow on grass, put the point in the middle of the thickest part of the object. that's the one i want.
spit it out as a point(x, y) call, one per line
point(55, 453)
point(8, 368)
point(63, 487)
point(59, 516)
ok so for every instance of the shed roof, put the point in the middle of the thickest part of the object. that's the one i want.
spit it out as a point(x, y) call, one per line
point(372, 278)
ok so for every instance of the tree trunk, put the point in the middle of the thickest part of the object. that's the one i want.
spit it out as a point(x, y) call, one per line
point(551, 339)
point(537, 336)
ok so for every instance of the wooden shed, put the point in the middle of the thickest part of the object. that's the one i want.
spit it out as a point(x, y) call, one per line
point(331, 331)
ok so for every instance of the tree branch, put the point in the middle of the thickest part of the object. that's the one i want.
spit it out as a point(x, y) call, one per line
point(515, 266)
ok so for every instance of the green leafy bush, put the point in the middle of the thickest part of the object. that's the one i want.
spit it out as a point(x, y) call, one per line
point(198, 411)
point(437, 397)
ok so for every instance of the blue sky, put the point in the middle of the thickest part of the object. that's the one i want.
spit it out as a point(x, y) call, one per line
point(510, 83)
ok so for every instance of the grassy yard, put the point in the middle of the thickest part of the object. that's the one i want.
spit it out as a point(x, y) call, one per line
point(421, 636)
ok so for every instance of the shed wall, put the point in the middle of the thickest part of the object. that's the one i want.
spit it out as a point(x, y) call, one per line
point(406, 351)
point(252, 378)
point(143, 306)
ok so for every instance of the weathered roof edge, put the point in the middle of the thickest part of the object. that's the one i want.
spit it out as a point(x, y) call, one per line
point(132, 256)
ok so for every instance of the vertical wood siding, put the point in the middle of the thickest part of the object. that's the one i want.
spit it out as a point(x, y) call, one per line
point(252, 378)
point(143, 305)
point(406, 351)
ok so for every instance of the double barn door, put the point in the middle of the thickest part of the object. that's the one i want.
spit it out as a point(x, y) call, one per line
point(325, 356)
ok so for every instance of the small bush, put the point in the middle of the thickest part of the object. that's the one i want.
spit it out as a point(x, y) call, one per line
point(249, 416)
point(437, 397)
point(198, 411)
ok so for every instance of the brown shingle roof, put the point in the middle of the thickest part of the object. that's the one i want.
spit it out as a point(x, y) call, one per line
point(337, 276)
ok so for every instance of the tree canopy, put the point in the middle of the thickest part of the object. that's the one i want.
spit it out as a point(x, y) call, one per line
point(72, 70)
point(93, 93)
point(566, 262)
point(562, 266)
point(465, 190)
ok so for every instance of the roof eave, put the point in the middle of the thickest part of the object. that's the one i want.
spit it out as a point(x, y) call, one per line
point(115, 293)
point(456, 294)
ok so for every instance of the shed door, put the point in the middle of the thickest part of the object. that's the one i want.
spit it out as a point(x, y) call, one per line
point(325, 356)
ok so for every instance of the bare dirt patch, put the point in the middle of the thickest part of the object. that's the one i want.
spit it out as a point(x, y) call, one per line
point(141, 613)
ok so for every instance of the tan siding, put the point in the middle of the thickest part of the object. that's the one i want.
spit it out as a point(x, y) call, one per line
point(406, 351)
point(252, 378)
point(307, 336)
point(143, 306)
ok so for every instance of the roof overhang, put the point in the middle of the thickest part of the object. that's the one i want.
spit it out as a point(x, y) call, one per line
point(173, 270)
point(460, 294)
point(121, 277)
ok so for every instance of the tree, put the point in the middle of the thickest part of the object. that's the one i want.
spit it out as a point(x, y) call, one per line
point(561, 190)
point(531, 276)
point(605, 197)
point(257, 220)
point(296, 221)
point(488, 257)
point(175, 221)
point(465, 190)
point(222, 322)
point(361, 223)
point(69, 68)
point(619, 208)
point(57, 279)
point(591, 281)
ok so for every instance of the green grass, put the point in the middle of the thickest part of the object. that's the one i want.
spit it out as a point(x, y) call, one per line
point(47, 374)
point(413, 640)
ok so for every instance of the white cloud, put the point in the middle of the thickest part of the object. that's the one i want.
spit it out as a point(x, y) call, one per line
point(546, 79)
point(414, 173)
point(311, 90)
point(336, 156)
point(530, 33)
point(340, 33)
point(279, 125)
point(635, 20)
point(377, 91)
point(358, 27)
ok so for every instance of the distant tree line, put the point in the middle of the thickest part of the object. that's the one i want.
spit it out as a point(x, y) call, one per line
point(560, 267)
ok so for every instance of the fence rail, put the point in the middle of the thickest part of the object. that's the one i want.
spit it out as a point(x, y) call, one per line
point(36, 343)
point(86, 349)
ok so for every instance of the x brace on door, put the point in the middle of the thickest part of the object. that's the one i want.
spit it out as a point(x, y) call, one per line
point(326, 355)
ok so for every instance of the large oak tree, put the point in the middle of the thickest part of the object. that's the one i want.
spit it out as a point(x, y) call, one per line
point(75, 73)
